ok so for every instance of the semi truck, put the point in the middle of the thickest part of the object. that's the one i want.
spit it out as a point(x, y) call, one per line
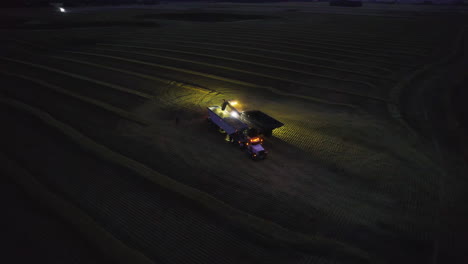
point(246, 129)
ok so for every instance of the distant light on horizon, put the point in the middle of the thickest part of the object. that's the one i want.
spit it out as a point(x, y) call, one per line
point(62, 9)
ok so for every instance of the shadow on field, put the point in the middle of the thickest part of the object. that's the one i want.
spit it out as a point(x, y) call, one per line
point(204, 17)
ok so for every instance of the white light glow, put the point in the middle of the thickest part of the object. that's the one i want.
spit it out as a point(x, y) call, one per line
point(62, 9)
point(234, 114)
point(233, 103)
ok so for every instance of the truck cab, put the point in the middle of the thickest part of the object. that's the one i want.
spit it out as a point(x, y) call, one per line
point(255, 148)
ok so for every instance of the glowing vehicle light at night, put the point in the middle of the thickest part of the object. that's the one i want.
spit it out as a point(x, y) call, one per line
point(243, 128)
point(62, 9)
point(254, 140)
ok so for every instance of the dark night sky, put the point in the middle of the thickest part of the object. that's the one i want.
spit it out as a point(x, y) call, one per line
point(136, 1)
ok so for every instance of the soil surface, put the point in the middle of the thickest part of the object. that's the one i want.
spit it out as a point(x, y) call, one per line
point(345, 170)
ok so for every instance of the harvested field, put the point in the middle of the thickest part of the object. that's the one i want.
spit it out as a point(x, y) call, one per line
point(110, 115)
point(202, 17)
point(27, 225)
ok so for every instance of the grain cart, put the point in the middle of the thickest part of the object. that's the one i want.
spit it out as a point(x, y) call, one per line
point(243, 128)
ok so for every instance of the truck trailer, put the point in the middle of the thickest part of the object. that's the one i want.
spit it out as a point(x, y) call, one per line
point(245, 129)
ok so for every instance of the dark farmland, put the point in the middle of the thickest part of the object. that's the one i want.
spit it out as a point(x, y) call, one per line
point(368, 167)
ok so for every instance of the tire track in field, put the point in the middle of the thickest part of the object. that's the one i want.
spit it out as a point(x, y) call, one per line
point(287, 44)
point(288, 81)
point(273, 203)
point(338, 35)
point(104, 241)
point(250, 62)
point(288, 53)
point(237, 82)
point(359, 42)
point(355, 36)
point(369, 85)
point(119, 201)
point(165, 97)
point(308, 44)
point(337, 43)
point(335, 152)
point(143, 236)
point(105, 106)
point(269, 57)
point(27, 43)
point(154, 78)
point(348, 215)
point(168, 82)
point(168, 97)
point(90, 64)
point(266, 229)
point(76, 76)
point(234, 81)
point(281, 47)
point(307, 32)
